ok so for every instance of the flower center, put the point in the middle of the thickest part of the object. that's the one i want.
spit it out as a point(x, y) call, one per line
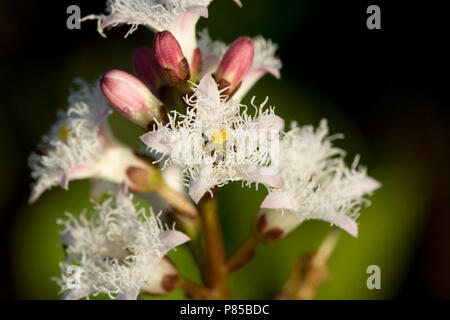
point(63, 132)
point(219, 137)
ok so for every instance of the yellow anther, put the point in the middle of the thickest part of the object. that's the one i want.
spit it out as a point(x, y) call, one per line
point(219, 137)
point(63, 132)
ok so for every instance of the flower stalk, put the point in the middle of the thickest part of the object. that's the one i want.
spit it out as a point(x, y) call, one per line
point(216, 268)
point(182, 206)
point(192, 289)
point(310, 271)
point(244, 254)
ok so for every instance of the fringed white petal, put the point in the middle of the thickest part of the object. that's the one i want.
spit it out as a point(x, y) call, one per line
point(217, 141)
point(278, 200)
point(73, 142)
point(158, 15)
point(316, 183)
point(198, 187)
point(248, 82)
point(158, 141)
point(116, 249)
point(342, 221)
point(171, 239)
point(183, 29)
point(208, 88)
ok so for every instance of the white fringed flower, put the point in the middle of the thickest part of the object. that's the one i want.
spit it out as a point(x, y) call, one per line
point(115, 250)
point(80, 145)
point(177, 16)
point(216, 141)
point(264, 60)
point(316, 183)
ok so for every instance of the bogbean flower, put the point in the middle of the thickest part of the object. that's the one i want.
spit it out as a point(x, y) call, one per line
point(80, 145)
point(177, 16)
point(217, 141)
point(216, 53)
point(316, 184)
point(116, 250)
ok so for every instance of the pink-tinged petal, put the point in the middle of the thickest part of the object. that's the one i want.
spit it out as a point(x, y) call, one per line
point(198, 187)
point(278, 200)
point(130, 97)
point(158, 141)
point(36, 192)
point(130, 294)
point(239, 3)
point(105, 135)
point(103, 115)
point(271, 180)
point(81, 171)
point(210, 63)
point(75, 294)
point(122, 198)
point(344, 222)
point(147, 68)
point(183, 29)
point(208, 87)
point(198, 10)
point(235, 63)
point(171, 239)
point(251, 78)
point(170, 57)
point(270, 122)
point(369, 185)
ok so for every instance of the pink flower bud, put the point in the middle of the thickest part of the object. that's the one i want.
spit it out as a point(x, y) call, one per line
point(170, 57)
point(147, 68)
point(235, 63)
point(131, 97)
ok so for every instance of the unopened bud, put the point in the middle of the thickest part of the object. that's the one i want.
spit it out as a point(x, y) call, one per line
point(272, 225)
point(143, 179)
point(147, 69)
point(131, 97)
point(164, 278)
point(235, 64)
point(170, 57)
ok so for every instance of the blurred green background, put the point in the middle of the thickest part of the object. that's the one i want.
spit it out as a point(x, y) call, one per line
point(383, 89)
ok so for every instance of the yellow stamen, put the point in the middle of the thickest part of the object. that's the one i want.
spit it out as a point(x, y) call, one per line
point(63, 132)
point(219, 137)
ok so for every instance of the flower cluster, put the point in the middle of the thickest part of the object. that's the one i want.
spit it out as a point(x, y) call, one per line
point(209, 141)
point(186, 95)
point(115, 251)
point(81, 145)
point(316, 183)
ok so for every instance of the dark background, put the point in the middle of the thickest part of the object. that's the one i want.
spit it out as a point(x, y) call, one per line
point(387, 90)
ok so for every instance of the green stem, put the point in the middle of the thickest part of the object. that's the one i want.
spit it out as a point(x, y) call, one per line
point(216, 269)
point(193, 290)
point(310, 271)
point(244, 254)
point(178, 201)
